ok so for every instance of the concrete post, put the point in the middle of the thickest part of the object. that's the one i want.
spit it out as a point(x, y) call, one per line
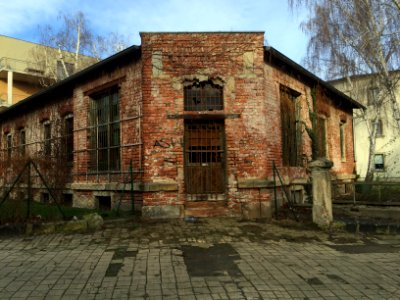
point(322, 192)
point(9, 88)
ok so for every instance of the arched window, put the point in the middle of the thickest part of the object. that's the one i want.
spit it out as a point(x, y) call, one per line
point(203, 96)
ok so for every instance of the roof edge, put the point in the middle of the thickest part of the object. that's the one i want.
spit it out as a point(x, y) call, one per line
point(71, 79)
point(312, 76)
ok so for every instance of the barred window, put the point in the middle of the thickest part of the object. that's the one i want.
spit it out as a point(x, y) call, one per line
point(290, 128)
point(321, 136)
point(104, 123)
point(69, 137)
point(22, 142)
point(342, 138)
point(9, 145)
point(47, 138)
point(203, 96)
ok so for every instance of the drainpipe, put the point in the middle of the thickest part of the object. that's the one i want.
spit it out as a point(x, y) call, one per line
point(10, 88)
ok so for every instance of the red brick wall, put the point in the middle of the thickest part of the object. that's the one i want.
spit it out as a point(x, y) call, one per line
point(153, 87)
point(169, 60)
point(128, 77)
point(251, 90)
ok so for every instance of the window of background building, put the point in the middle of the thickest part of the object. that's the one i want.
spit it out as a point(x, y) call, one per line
point(379, 128)
point(372, 95)
point(379, 162)
point(61, 74)
point(104, 131)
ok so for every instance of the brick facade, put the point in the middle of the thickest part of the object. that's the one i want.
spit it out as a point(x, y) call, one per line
point(153, 123)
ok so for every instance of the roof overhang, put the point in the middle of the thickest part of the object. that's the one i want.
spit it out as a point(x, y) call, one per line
point(109, 63)
point(273, 56)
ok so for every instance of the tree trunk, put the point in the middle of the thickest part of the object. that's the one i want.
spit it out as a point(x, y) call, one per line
point(78, 45)
point(372, 147)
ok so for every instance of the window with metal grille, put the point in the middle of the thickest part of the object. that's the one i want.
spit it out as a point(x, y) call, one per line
point(69, 138)
point(291, 134)
point(104, 131)
point(203, 96)
point(47, 138)
point(342, 137)
point(204, 157)
point(22, 142)
point(9, 145)
point(321, 136)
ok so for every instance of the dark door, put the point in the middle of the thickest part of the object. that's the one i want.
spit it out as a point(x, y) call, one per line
point(204, 157)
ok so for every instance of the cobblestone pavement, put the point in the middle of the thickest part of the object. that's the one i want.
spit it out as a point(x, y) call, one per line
point(210, 259)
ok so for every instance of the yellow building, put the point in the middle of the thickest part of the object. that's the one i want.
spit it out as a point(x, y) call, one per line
point(27, 67)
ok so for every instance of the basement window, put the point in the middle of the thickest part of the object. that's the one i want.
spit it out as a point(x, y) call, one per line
point(67, 200)
point(103, 202)
point(45, 198)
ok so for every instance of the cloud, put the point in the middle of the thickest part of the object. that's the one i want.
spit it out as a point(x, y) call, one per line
point(129, 17)
point(20, 16)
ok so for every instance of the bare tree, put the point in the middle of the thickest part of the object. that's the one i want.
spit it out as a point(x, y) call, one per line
point(72, 46)
point(357, 37)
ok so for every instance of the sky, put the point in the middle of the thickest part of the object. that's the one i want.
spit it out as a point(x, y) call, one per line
point(21, 18)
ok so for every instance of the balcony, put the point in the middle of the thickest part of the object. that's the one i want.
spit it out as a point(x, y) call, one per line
point(23, 70)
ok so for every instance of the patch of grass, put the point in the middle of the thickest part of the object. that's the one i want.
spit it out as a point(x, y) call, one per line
point(14, 211)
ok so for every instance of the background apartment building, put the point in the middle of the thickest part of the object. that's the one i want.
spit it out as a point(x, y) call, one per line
point(27, 67)
point(366, 90)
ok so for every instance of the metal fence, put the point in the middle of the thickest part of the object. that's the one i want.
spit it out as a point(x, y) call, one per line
point(363, 193)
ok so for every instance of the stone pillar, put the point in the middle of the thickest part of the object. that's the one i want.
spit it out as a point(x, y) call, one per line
point(322, 192)
point(9, 88)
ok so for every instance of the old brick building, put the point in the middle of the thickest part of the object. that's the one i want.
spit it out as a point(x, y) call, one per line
point(195, 119)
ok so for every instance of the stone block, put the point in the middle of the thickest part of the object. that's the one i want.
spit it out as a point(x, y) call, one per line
point(162, 212)
point(254, 210)
point(72, 226)
point(94, 221)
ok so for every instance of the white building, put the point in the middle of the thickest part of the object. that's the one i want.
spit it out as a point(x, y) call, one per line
point(365, 90)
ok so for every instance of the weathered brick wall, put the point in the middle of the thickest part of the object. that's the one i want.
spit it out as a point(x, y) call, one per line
point(169, 60)
point(337, 113)
point(75, 100)
point(152, 124)
point(334, 113)
point(128, 78)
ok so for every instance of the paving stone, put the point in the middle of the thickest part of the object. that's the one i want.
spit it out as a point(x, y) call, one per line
point(271, 262)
